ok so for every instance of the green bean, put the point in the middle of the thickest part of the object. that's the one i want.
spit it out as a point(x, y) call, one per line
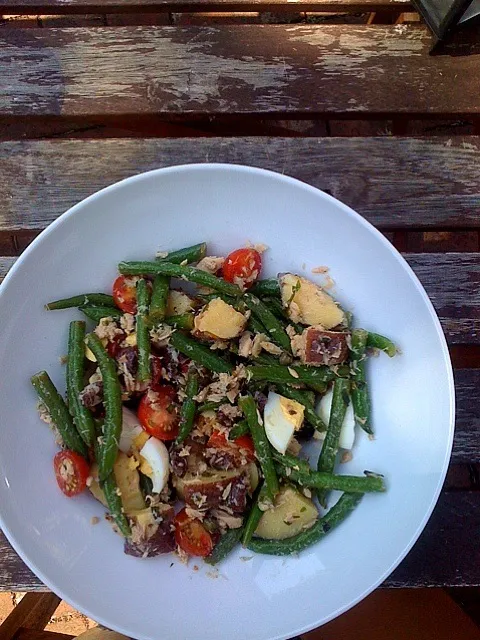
point(331, 482)
point(224, 546)
point(360, 394)
point(268, 287)
point(279, 310)
point(328, 454)
point(112, 394)
point(254, 517)
point(199, 353)
point(187, 413)
point(75, 374)
point(301, 374)
point(209, 406)
point(178, 271)
point(239, 430)
point(381, 342)
point(288, 546)
point(290, 461)
point(158, 303)
point(266, 358)
point(182, 321)
point(191, 254)
point(114, 504)
point(348, 319)
point(97, 313)
point(318, 387)
point(269, 320)
point(58, 411)
point(262, 447)
point(84, 300)
point(310, 396)
point(255, 326)
point(300, 396)
point(143, 334)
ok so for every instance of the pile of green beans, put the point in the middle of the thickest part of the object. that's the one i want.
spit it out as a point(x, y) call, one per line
point(97, 440)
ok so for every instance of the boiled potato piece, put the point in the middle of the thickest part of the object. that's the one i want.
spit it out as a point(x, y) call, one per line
point(308, 303)
point(291, 514)
point(128, 482)
point(219, 321)
point(178, 303)
point(215, 489)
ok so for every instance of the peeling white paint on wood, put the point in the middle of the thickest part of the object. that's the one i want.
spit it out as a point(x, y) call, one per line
point(260, 69)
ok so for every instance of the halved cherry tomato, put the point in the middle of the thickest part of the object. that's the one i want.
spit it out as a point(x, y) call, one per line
point(125, 293)
point(191, 536)
point(71, 471)
point(242, 267)
point(243, 444)
point(158, 413)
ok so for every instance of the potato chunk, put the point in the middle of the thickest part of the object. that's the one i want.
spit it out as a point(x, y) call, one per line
point(215, 489)
point(308, 303)
point(219, 321)
point(178, 303)
point(292, 513)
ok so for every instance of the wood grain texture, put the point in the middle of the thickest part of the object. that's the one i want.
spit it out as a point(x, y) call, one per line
point(263, 69)
point(452, 281)
point(445, 555)
point(30, 634)
point(32, 612)
point(129, 6)
point(396, 183)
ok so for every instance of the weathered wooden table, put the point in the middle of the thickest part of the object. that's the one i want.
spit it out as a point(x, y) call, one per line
point(357, 108)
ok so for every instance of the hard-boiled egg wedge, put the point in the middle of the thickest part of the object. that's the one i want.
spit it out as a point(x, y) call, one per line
point(282, 417)
point(154, 463)
point(132, 436)
point(347, 433)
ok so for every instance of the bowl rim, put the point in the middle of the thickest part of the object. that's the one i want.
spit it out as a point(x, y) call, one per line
point(347, 210)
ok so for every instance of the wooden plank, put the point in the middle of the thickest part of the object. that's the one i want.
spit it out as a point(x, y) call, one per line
point(445, 555)
point(396, 183)
point(127, 6)
point(452, 281)
point(297, 70)
point(466, 444)
point(33, 612)
point(30, 634)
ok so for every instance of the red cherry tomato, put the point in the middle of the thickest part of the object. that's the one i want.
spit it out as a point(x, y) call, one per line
point(71, 471)
point(158, 413)
point(125, 293)
point(191, 536)
point(242, 267)
point(243, 445)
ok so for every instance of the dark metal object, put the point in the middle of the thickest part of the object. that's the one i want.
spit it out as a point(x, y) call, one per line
point(443, 16)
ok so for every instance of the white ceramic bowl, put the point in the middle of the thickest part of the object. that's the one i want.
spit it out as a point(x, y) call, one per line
point(413, 398)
